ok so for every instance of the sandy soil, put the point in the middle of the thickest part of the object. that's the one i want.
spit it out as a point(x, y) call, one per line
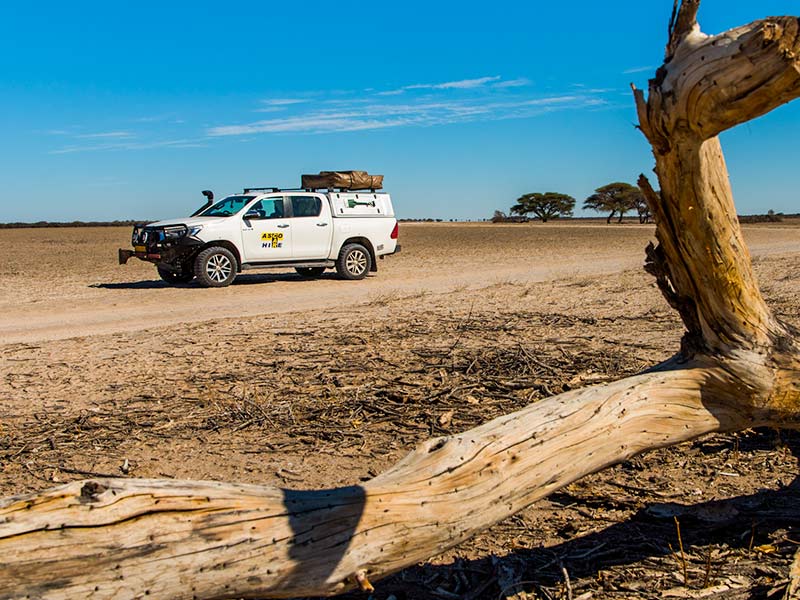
point(59, 283)
point(104, 370)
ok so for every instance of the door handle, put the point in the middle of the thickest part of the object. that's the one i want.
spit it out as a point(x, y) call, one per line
point(322, 224)
point(281, 226)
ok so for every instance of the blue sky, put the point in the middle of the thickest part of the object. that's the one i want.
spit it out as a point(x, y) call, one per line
point(116, 110)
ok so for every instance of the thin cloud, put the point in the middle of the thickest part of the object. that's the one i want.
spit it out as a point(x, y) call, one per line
point(638, 70)
point(270, 109)
point(152, 118)
point(481, 99)
point(180, 143)
point(309, 124)
point(163, 117)
point(556, 100)
point(279, 104)
point(463, 84)
point(283, 101)
point(348, 101)
point(359, 117)
point(105, 134)
point(512, 83)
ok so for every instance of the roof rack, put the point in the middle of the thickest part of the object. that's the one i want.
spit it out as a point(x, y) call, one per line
point(262, 189)
point(276, 189)
point(332, 190)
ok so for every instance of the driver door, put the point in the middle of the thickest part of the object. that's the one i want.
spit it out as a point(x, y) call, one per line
point(266, 232)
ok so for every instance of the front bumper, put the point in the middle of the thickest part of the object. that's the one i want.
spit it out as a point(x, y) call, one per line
point(125, 255)
point(171, 255)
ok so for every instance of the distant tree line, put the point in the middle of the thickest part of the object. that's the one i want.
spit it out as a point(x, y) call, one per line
point(427, 220)
point(41, 224)
point(770, 217)
point(616, 199)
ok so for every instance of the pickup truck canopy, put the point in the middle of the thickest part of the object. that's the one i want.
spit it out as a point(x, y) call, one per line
point(343, 180)
point(361, 204)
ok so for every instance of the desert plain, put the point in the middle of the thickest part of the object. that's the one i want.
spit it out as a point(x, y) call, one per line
point(277, 380)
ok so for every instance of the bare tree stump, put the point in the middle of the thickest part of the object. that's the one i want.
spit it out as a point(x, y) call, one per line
point(737, 368)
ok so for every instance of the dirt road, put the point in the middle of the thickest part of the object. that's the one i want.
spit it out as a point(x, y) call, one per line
point(62, 283)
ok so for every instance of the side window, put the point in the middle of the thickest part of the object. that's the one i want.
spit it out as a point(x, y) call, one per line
point(306, 206)
point(269, 208)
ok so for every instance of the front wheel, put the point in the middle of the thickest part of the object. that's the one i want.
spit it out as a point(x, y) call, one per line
point(215, 267)
point(173, 277)
point(310, 272)
point(354, 262)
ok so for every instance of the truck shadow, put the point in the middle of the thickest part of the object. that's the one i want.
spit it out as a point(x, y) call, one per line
point(134, 285)
point(253, 278)
point(241, 280)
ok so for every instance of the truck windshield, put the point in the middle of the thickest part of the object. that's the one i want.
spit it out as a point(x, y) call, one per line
point(226, 207)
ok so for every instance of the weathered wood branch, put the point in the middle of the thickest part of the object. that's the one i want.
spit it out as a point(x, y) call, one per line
point(710, 84)
point(739, 367)
point(682, 23)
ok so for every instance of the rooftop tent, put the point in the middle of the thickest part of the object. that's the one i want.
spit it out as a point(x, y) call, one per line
point(343, 180)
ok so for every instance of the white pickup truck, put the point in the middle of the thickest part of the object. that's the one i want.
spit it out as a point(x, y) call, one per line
point(268, 228)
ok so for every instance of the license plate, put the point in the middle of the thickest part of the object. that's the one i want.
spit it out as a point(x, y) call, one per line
point(139, 249)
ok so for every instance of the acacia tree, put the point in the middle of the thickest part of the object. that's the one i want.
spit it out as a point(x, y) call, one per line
point(738, 367)
point(546, 206)
point(614, 198)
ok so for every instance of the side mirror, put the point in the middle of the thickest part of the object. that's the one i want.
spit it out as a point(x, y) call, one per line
point(251, 214)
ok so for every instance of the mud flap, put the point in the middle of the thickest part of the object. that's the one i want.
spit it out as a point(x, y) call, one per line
point(124, 255)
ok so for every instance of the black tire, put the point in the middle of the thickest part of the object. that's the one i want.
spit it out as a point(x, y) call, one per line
point(215, 267)
point(310, 272)
point(173, 277)
point(354, 262)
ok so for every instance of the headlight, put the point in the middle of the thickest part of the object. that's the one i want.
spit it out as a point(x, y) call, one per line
point(195, 229)
point(172, 232)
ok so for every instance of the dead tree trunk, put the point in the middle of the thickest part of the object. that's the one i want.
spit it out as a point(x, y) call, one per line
point(738, 367)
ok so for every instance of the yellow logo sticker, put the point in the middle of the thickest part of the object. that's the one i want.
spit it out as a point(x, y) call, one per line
point(271, 239)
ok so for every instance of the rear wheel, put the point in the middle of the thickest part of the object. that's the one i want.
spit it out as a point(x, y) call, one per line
point(215, 267)
point(173, 277)
point(310, 271)
point(354, 262)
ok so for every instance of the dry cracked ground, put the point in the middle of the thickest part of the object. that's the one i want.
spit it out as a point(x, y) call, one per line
point(279, 381)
